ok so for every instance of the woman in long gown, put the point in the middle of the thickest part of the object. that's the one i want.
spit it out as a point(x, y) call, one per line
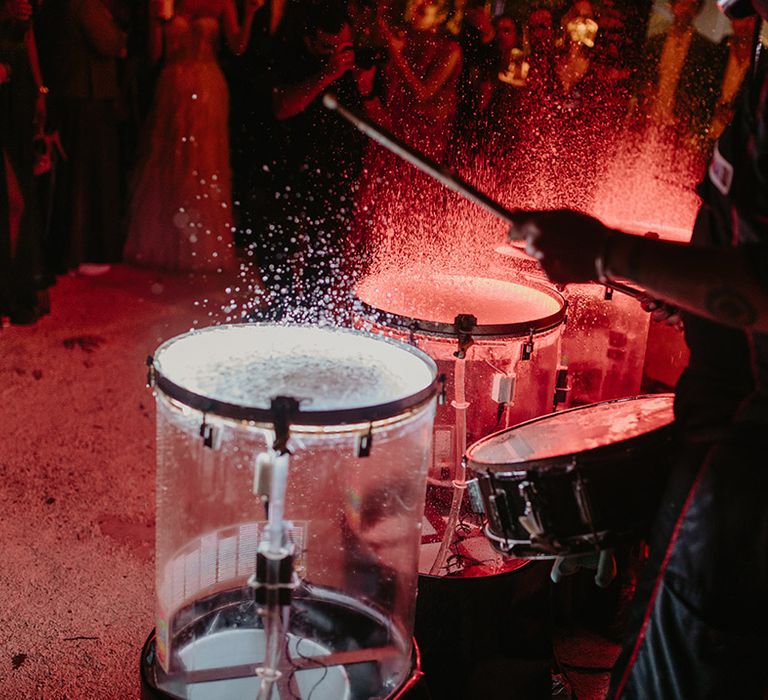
point(180, 216)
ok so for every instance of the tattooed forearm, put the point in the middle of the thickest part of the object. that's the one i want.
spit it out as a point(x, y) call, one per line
point(730, 307)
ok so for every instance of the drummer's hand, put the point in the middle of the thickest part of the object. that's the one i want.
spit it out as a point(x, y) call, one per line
point(661, 312)
point(565, 242)
point(603, 562)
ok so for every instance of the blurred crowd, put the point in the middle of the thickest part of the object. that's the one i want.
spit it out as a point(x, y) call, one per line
point(191, 136)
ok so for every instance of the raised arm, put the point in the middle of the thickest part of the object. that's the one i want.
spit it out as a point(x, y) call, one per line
point(729, 286)
point(238, 35)
point(290, 100)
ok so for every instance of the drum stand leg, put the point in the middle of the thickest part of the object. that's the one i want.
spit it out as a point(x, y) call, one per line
point(460, 406)
point(274, 579)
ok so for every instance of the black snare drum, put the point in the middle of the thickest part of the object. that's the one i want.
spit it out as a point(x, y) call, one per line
point(571, 482)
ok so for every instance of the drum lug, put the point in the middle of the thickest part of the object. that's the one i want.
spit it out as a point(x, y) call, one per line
point(475, 497)
point(210, 434)
point(608, 294)
point(283, 409)
point(150, 372)
point(527, 350)
point(441, 393)
point(530, 519)
point(364, 442)
point(562, 387)
point(464, 325)
point(581, 493)
point(498, 510)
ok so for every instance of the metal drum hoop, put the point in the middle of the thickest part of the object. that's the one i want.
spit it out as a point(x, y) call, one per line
point(531, 469)
point(449, 330)
point(301, 417)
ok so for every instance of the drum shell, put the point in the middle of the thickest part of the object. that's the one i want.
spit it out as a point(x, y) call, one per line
point(534, 391)
point(208, 520)
point(600, 497)
point(604, 339)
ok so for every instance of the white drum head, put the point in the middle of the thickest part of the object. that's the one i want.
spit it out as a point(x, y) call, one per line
point(329, 371)
point(439, 298)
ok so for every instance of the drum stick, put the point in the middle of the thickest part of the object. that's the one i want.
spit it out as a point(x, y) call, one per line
point(442, 174)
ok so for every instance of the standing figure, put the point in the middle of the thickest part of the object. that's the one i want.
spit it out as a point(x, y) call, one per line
point(180, 216)
point(22, 118)
point(307, 253)
point(81, 46)
point(423, 73)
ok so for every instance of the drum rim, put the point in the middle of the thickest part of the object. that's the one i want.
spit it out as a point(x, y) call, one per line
point(525, 466)
point(302, 417)
point(441, 328)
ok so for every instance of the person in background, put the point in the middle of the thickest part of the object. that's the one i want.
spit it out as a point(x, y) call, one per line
point(23, 282)
point(478, 74)
point(736, 68)
point(306, 254)
point(83, 44)
point(680, 82)
point(422, 77)
point(180, 213)
point(701, 615)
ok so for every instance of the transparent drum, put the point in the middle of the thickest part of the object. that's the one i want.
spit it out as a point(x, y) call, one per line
point(604, 344)
point(291, 473)
point(500, 368)
point(604, 340)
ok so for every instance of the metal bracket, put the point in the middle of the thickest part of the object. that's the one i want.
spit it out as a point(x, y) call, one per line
point(273, 574)
point(283, 409)
point(364, 442)
point(210, 435)
point(527, 351)
point(150, 371)
point(441, 380)
point(608, 294)
point(475, 496)
point(464, 325)
point(562, 389)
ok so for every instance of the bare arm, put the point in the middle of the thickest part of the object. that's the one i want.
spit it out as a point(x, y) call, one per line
point(719, 284)
point(290, 100)
point(237, 35)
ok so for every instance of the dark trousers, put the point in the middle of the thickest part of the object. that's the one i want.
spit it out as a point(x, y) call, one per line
point(700, 625)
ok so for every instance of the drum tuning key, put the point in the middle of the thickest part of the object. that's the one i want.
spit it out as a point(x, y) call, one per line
point(465, 325)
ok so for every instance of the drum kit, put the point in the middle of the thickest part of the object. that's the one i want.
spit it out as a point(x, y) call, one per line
point(310, 479)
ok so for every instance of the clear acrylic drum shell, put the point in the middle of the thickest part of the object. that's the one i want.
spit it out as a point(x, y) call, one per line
point(604, 340)
point(622, 479)
point(355, 519)
point(604, 344)
point(488, 356)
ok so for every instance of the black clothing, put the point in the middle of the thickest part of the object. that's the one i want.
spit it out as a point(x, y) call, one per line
point(21, 267)
point(701, 620)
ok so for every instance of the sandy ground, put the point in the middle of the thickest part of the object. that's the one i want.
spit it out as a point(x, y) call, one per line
point(77, 501)
point(77, 464)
